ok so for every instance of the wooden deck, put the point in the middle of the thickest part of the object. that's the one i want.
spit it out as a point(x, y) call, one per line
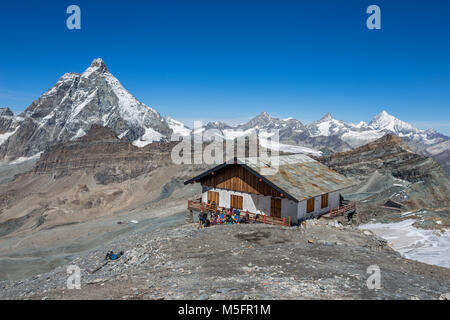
point(197, 205)
point(341, 211)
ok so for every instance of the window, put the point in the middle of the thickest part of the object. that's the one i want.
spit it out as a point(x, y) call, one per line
point(325, 200)
point(310, 205)
point(236, 202)
point(213, 197)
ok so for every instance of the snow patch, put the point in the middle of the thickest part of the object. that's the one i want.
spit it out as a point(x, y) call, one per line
point(288, 148)
point(81, 106)
point(23, 159)
point(6, 135)
point(429, 246)
point(79, 133)
point(148, 137)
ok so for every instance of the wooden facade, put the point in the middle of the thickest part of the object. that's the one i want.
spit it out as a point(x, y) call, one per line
point(237, 178)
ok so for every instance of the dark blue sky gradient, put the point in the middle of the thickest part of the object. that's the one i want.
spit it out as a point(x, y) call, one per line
point(231, 60)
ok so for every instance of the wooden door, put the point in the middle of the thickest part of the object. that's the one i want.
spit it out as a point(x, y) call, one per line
point(236, 202)
point(310, 205)
point(275, 207)
point(324, 200)
point(213, 196)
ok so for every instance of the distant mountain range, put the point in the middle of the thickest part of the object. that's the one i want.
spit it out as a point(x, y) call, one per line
point(77, 101)
point(336, 135)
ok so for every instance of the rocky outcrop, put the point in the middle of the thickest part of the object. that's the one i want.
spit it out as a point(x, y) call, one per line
point(415, 180)
point(387, 153)
point(444, 159)
point(6, 119)
point(101, 153)
point(441, 153)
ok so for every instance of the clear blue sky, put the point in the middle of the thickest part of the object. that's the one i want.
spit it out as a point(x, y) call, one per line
point(231, 60)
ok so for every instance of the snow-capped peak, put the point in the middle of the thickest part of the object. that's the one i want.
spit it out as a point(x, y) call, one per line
point(360, 124)
point(385, 121)
point(327, 126)
point(263, 116)
point(97, 65)
point(6, 112)
point(98, 62)
point(383, 117)
point(178, 128)
point(326, 117)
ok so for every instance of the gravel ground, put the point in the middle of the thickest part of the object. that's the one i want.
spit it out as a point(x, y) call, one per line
point(250, 261)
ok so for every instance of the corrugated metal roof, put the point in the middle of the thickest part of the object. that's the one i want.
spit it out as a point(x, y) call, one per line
point(300, 176)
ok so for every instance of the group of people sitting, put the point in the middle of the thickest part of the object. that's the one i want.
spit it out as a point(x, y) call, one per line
point(222, 216)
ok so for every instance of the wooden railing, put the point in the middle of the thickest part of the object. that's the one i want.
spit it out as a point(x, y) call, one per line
point(343, 210)
point(262, 218)
point(197, 205)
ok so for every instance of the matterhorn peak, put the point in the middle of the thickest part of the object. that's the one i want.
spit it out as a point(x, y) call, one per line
point(97, 66)
point(99, 63)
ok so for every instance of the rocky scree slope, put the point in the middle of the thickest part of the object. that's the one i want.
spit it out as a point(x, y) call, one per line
point(387, 170)
point(262, 262)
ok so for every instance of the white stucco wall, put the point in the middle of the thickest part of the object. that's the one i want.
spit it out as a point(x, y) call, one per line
point(251, 202)
point(261, 204)
point(333, 202)
point(289, 208)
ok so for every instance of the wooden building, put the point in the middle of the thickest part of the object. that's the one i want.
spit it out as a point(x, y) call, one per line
point(300, 187)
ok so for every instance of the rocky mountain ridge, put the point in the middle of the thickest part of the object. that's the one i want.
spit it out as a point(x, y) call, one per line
point(109, 158)
point(387, 170)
